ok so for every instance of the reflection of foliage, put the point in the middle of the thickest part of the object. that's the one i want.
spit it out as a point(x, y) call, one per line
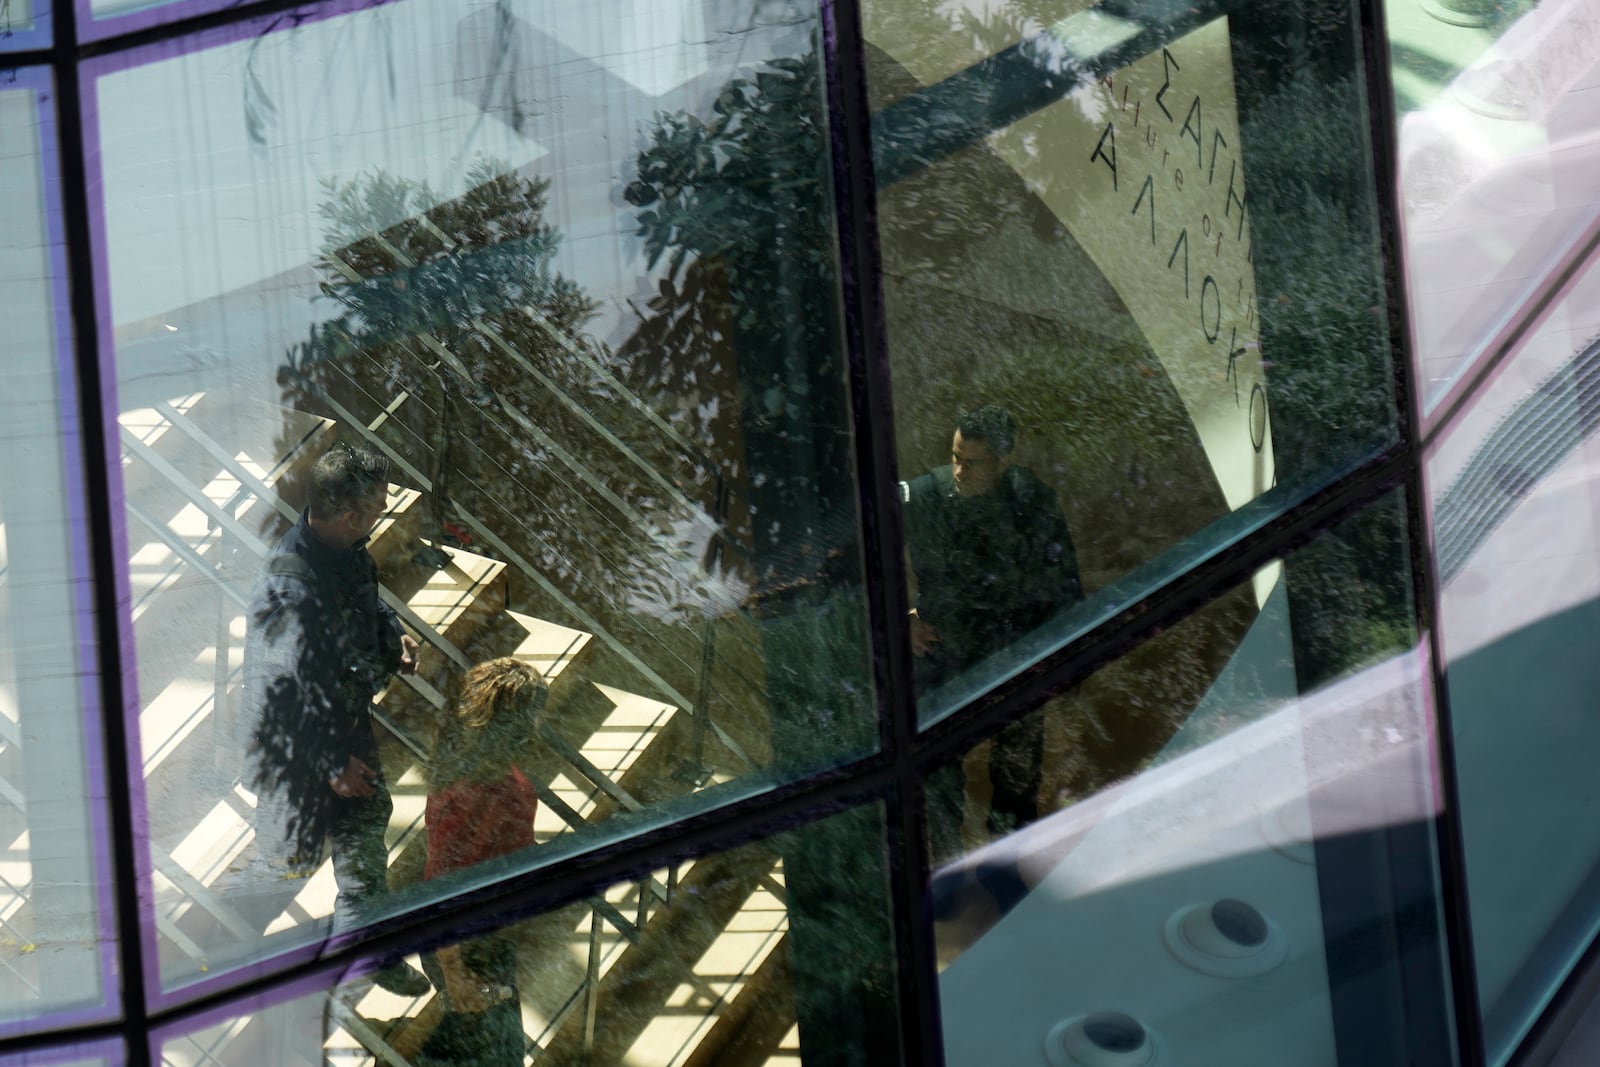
point(738, 206)
point(1325, 329)
point(479, 254)
point(456, 307)
point(1323, 308)
point(742, 343)
point(1351, 594)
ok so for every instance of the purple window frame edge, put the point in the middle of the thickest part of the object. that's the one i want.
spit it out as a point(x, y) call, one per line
point(40, 80)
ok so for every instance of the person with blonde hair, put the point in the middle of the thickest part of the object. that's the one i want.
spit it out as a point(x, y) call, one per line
point(480, 807)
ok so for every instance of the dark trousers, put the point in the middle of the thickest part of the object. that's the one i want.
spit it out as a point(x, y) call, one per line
point(490, 1038)
point(360, 859)
point(1016, 769)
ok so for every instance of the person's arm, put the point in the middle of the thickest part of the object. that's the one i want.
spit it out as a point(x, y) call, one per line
point(1050, 554)
point(1062, 558)
point(355, 780)
point(295, 739)
point(924, 636)
point(408, 654)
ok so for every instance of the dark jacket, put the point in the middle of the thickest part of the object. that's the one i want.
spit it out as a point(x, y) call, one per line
point(319, 644)
point(988, 568)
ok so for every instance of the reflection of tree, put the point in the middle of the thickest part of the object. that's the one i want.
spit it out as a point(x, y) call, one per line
point(743, 340)
point(743, 335)
point(1326, 321)
point(452, 313)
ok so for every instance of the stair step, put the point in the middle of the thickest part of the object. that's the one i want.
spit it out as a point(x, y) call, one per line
point(549, 646)
point(633, 723)
point(715, 982)
point(184, 705)
point(396, 534)
point(187, 438)
point(182, 878)
point(461, 596)
point(201, 532)
point(728, 916)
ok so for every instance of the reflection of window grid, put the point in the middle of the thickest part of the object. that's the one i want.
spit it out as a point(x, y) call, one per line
point(751, 815)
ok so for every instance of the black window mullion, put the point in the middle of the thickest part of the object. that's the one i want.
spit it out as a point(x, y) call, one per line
point(866, 337)
point(100, 507)
point(1460, 1004)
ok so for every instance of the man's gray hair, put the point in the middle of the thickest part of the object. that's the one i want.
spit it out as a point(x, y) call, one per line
point(344, 478)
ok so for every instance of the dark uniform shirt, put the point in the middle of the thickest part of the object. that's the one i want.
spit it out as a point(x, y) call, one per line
point(319, 644)
point(989, 568)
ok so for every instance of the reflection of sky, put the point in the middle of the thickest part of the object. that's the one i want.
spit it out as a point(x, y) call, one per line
point(1498, 155)
point(215, 162)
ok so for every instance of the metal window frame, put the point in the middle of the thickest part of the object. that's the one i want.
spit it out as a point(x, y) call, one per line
point(894, 775)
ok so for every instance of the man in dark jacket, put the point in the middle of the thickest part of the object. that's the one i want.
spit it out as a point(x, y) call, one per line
point(320, 644)
point(991, 559)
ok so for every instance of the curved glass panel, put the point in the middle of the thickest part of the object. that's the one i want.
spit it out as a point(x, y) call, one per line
point(57, 937)
point(1125, 296)
point(1214, 850)
point(775, 952)
point(1498, 134)
point(1512, 483)
point(545, 334)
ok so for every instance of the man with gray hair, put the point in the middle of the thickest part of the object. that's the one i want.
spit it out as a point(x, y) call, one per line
point(319, 645)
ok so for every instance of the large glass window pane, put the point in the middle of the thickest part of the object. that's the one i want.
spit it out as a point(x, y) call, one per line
point(1218, 849)
point(561, 305)
point(775, 952)
point(56, 939)
point(24, 24)
point(1498, 133)
point(1131, 284)
point(1512, 483)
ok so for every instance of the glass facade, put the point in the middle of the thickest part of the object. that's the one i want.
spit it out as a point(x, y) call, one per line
point(1086, 250)
point(1510, 486)
point(55, 908)
point(24, 24)
point(748, 532)
point(709, 960)
point(615, 430)
point(1201, 900)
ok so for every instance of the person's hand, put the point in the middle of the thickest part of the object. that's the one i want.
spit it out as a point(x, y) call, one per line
point(354, 781)
point(408, 654)
point(923, 636)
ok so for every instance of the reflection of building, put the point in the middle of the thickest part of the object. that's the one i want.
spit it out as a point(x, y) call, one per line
point(609, 284)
